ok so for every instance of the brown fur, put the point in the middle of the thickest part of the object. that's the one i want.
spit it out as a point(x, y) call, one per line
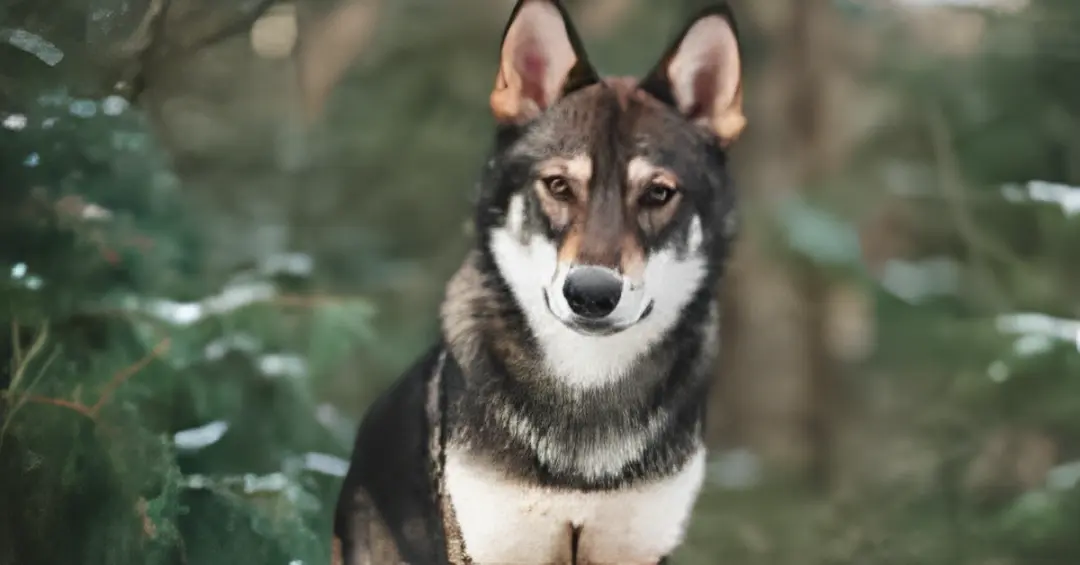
point(372, 541)
point(459, 324)
point(470, 315)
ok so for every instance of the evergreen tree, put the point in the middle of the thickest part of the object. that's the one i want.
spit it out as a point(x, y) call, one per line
point(144, 418)
point(1001, 133)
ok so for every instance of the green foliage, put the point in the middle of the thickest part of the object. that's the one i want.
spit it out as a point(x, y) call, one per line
point(336, 329)
point(1001, 350)
point(145, 418)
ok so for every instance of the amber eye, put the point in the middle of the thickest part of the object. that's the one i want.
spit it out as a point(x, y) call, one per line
point(559, 188)
point(656, 195)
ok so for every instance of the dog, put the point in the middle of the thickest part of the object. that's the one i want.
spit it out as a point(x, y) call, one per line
point(559, 419)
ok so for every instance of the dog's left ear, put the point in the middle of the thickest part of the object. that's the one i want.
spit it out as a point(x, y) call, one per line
point(701, 74)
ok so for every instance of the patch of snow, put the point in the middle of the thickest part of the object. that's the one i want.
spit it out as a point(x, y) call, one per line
point(33, 44)
point(114, 105)
point(20, 274)
point(1036, 324)
point(237, 296)
point(219, 348)
point(326, 464)
point(14, 122)
point(282, 365)
point(915, 281)
point(1032, 344)
point(1065, 196)
point(179, 313)
point(998, 371)
point(95, 212)
point(1037, 334)
point(298, 264)
point(200, 437)
point(232, 298)
point(1064, 477)
point(83, 108)
point(274, 482)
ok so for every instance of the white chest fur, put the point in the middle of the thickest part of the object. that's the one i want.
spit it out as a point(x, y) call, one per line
point(506, 522)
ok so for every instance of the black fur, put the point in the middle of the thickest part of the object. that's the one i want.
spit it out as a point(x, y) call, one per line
point(393, 473)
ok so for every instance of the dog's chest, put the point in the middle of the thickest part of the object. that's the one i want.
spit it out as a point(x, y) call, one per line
point(505, 521)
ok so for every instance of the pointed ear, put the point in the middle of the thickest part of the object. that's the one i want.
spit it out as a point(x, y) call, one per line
point(701, 74)
point(542, 59)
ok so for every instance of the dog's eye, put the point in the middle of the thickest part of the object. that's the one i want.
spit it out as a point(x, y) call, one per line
point(559, 188)
point(656, 195)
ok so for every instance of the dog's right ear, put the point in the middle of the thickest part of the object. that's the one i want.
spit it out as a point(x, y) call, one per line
point(542, 59)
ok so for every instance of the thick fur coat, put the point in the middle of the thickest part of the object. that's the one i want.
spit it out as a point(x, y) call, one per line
point(559, 419)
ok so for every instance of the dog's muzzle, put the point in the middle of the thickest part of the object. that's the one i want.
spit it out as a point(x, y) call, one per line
point(596, 300)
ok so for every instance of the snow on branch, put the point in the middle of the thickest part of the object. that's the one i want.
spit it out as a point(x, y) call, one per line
point(232, 298)
point(1037, 334)
point(1065, 196)
point(1035, 324)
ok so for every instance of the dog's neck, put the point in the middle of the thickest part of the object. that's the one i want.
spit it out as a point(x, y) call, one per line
point(510, 394)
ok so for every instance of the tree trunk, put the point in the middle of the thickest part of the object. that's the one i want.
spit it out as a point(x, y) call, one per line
point(780, 379)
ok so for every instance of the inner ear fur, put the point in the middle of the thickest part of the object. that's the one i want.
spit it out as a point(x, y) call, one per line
point(700, 74)
point(541, 60)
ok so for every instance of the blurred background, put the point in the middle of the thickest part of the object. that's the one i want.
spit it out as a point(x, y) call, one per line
point(226, 225)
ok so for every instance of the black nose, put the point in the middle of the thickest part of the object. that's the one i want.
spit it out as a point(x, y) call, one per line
point(592, 292)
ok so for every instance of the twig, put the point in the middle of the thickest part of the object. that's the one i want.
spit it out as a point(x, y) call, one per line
point(24, 361)
point(74, 406)
point(144, 43)
point(16, 343)
point(142, 38)
point(90, 412)
point(69, 404)
point(126, 373)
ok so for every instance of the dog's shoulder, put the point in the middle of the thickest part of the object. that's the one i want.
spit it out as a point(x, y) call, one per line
point(388, 510)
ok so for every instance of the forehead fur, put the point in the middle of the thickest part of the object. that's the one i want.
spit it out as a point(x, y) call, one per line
point(614, 121)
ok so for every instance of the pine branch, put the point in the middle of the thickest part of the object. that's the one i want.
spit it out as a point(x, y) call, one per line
point(90, 412)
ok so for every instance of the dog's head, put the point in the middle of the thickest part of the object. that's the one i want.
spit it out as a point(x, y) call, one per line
point(606, 206)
